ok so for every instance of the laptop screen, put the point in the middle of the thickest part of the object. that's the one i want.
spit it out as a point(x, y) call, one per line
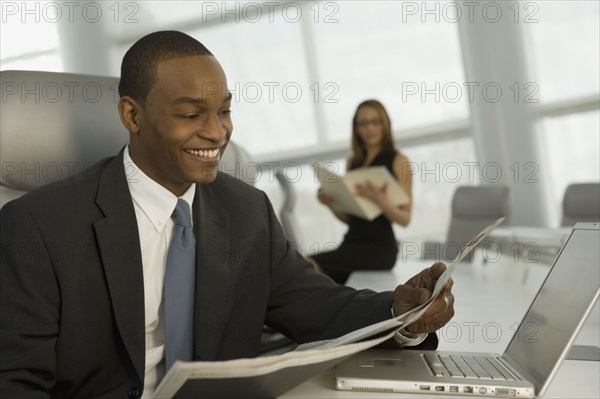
point(559, 306)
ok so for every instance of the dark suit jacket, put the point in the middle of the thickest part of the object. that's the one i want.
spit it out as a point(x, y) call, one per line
point(72, 295)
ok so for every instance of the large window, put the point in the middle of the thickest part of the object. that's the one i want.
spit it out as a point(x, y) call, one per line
point(572, 149)
point(298, 69)
point(29, 36)
point(272, 103)
point(376, 49)
point(565, 43)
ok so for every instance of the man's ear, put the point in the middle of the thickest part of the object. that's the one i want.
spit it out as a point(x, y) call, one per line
point(130, 112)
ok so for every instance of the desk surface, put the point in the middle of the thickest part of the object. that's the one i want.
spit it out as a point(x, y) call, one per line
point(490, 300)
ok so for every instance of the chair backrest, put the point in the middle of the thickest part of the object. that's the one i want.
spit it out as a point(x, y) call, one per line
point(54, 125)
point(473, 208)
point(237, 162)
point(581, 203)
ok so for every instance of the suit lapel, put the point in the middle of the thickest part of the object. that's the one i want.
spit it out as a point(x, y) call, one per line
point(118, 242)
point(212, 264)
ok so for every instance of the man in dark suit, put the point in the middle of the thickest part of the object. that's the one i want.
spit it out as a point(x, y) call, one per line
point(83, 261)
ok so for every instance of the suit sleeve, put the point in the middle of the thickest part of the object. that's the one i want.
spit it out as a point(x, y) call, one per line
point(29, 305)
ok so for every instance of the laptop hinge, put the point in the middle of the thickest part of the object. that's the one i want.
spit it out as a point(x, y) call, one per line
point(519, 373)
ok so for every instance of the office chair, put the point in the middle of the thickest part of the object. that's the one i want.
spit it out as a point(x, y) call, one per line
point(237, 162)
point(581, 203)
point(55, 125)
point(473, 208)
point(286, 213)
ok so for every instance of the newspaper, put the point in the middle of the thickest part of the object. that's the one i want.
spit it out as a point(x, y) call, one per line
point(261, 377)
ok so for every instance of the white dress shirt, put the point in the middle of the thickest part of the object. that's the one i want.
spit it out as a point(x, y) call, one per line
point(153, 206)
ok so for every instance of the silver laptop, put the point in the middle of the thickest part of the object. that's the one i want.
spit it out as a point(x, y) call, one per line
point(526, 367)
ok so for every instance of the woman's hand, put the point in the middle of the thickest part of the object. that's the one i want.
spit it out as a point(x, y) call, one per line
point(325, 198)
point(373, 193)
point(328, 200)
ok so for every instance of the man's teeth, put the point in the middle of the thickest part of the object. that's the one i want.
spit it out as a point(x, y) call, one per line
point(204, 153)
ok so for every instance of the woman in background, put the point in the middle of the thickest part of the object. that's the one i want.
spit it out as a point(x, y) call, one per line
point(369, 245)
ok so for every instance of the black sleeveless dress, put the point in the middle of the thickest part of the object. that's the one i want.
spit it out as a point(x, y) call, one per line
point(368, 245)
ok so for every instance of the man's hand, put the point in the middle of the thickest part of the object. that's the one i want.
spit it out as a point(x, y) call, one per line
point(418, 290)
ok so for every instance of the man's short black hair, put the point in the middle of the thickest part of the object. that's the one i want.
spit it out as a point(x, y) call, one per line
point(139, 66)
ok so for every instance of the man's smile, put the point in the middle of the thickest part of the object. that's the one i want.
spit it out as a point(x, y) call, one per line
point(211, 155)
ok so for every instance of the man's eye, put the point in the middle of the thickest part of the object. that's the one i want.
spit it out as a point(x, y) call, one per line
point(189, 116)
point(225, 112)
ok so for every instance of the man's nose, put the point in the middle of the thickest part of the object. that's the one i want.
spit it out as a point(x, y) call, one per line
point(213, 129)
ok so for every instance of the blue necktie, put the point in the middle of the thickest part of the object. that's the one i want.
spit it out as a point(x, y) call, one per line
point(180, 281)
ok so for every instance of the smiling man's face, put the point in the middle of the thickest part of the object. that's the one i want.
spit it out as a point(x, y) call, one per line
point(178, 137)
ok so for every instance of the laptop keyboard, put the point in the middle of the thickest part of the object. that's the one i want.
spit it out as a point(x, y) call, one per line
point(462, 366)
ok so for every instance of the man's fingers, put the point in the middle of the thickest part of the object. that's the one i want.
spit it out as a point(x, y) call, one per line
point(412, 295)
point(442, 303)
point(422, 295)
point(407, 298)
point(437, 269)
point(437, 315)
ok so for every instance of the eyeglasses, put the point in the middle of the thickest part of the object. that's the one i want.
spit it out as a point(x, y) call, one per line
point(367, 122)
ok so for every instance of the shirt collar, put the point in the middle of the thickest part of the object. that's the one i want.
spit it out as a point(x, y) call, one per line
point(154, 200)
